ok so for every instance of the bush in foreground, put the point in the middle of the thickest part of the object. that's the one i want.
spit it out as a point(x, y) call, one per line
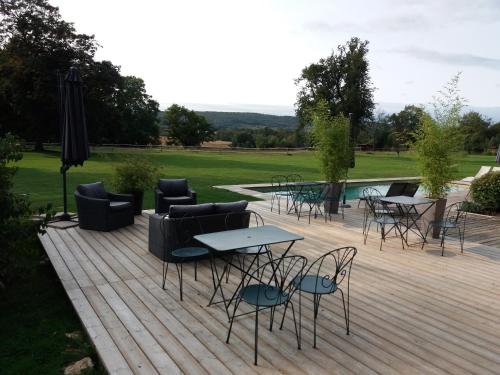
point(486, 191)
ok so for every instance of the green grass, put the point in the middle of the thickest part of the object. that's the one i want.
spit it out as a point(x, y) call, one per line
point(35, 315)
point(39, 176)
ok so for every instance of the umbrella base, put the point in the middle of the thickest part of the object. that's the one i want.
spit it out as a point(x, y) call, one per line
point(63, 220)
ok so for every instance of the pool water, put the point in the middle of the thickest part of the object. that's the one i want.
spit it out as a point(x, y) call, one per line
point(356, 191)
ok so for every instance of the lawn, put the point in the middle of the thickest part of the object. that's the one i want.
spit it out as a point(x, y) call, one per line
point(39, 172)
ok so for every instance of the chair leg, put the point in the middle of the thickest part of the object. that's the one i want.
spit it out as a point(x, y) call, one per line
point(196, 271)
point(316, 300)
point(346, 309)
point(425, 236)
point(256, 335)
point(297, 332)
point(179, 274)
point(367, 230)
point(283, 317)
point(165, 270)
point(382, 237)
point(271, 320)
point(236, 304)
point(461, 238)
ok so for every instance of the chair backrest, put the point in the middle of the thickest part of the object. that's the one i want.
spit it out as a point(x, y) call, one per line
point(173, 187)
point(371, 192)
point(186, 228)
point(378, 208)
point(410, 189)
point(293, 178)
point(279, 272)
point(246, 219)
point(332, 268)
point(483, 170)
point(93, 190)
point(396, 188)
point(455, 213)
point(278, 181)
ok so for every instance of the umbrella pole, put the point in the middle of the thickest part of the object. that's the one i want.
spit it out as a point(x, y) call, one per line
point(65, 216)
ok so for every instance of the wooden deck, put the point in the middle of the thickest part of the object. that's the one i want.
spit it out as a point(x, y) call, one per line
point(412, 311)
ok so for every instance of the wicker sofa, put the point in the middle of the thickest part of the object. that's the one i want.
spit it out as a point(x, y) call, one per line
point(209, 217)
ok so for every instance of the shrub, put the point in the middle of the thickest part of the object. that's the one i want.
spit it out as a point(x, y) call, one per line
point(486, 191)
point(135, 174)
point(18, 231)
point(330, 137)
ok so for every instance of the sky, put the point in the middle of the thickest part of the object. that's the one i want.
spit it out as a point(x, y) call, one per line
point(217, 55)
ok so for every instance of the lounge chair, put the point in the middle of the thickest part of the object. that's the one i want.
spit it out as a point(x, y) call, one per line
point(482, 171)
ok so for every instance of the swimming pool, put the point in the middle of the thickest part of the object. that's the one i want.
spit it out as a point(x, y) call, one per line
point(354, 191)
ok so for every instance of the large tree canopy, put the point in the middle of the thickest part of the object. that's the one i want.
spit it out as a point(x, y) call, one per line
point(186, 127)
point(405, 123)
point(342, 80)
point(35, 44)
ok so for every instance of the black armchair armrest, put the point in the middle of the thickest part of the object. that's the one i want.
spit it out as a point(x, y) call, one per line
point(121, 197)
point(193, 195)
point(158, 195)
point(94, 203)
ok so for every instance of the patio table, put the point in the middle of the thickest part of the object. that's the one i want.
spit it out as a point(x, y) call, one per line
point(407, 206)
point(225, 242)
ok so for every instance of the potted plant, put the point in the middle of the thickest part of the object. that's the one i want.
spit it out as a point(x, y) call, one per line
point(330, 138)
point(437, 144)
point(133, 176)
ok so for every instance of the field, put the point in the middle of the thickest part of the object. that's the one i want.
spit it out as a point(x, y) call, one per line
point(39, 176)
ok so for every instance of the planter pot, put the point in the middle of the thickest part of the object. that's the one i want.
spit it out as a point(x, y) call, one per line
point(332, 198)
point(435, 213)
point(138, 198)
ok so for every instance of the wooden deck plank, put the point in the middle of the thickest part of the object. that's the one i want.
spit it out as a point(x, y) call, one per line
point(412, 311)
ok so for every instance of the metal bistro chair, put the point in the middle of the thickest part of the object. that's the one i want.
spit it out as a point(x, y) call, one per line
point(382, 216)
point(313, 197)
point(293, 190)
point(455, 218)
point(270, 286)
point(233, 221)
point(279, 190)
point(188, 250)
point(368, 192)
point(324, 276)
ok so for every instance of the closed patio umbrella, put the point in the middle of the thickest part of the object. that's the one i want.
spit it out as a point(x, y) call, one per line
point(74, 141)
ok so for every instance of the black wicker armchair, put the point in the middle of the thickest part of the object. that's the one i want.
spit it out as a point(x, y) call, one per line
point(170, 192)
point(101, 210)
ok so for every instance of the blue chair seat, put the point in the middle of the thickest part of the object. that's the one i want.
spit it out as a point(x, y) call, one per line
point(263, 295)
point(316, 284)
point(443, 224)
point(190, 252)
point(254, 250)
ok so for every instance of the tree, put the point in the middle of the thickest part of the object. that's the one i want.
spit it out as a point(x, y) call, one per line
point(34, 44)
point(475, 129)
point(342, 80)
point(186, 127)
point(405, 123)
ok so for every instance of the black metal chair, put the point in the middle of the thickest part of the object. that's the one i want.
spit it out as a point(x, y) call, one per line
point(325, 276)
point(172, 192)
point(270, 286)
point(313, 197)
point(368, 192)
point(455, 219)
point(233, 221)
point(101, 210)
point(382, 216)
point(189, 250)
point(279, 190)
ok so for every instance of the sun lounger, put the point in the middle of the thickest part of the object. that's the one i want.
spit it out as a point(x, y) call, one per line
point(482, 171)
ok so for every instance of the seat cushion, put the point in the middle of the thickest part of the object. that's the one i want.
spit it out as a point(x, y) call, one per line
point(179, 211)
point(173, 188)
point(119, 206)
point(178, 200)
point(93, 190)
point(316, 284)
point(187, 253)
point(263, 295)
point(224, 208)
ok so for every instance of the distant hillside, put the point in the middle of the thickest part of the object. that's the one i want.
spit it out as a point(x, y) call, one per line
point(240, 120)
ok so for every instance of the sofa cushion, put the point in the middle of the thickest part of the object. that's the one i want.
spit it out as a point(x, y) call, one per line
point(178, 200)
point(94, 190)
point(224, 208)
point(179, 211)
point(173, 187)
point(119, 206)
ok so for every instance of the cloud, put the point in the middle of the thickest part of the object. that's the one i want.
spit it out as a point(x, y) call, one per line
point(409, 82)
point(462, 59)
point(385, 24)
